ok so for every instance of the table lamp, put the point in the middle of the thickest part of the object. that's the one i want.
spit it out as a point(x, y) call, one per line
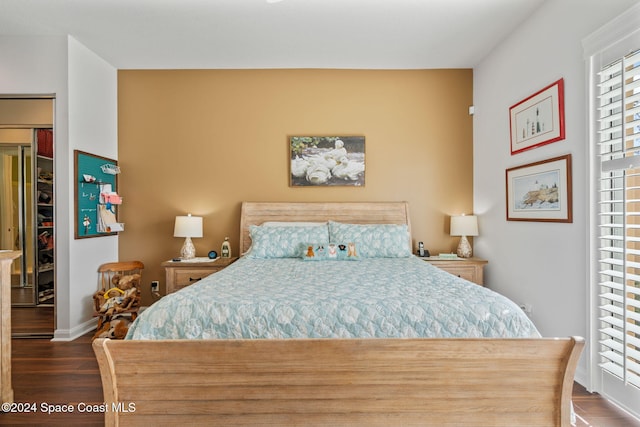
point(188, 227)
point(463, 226)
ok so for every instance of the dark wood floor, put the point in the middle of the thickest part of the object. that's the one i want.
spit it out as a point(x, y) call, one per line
point(594, 411)
point(66, 373)
point(54, 373)
point(32, 322)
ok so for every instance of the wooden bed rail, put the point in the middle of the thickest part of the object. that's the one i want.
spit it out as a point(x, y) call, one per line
point(426, 382)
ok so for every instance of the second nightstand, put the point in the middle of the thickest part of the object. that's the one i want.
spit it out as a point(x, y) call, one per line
point(471, 269)
point(181, 274)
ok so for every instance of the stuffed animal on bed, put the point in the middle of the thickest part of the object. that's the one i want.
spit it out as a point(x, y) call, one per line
point(351, 250)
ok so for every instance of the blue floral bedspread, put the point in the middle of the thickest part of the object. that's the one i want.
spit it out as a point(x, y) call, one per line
point(292, 298)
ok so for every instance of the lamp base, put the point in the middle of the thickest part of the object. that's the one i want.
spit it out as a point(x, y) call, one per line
point(188, 251)
point(464, 248)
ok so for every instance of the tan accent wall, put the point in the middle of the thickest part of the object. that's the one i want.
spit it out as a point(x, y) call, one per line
point(203, 141)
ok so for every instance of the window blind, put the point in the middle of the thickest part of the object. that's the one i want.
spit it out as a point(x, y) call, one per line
point(618, 102)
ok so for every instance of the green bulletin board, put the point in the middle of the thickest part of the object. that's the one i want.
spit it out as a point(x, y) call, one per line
point(90, 180)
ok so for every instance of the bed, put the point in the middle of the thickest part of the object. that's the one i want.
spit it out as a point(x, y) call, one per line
point(308, 329)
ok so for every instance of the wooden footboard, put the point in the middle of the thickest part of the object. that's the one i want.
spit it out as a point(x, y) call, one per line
point(426, 382)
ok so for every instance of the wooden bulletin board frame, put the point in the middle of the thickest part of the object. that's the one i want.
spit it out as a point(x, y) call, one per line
point(87, 194)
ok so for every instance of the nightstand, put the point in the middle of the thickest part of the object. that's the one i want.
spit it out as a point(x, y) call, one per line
point(471, 269)
point(180, 274)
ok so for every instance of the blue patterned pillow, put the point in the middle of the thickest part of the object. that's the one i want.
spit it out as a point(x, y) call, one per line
point(330, 252)
point(373, 240)
point(285, 241)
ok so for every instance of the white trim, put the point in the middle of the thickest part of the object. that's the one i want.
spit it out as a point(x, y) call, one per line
point(623, 398)
point(613, 36)
point(594, 380)
point(75, 332)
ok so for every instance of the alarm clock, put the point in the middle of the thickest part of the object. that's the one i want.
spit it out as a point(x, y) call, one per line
point(213, 255)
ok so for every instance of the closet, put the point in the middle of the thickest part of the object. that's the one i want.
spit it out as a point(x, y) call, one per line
point(27, 209)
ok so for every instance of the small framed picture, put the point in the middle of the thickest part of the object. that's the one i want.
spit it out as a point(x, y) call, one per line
point(540, 191)
point(539, 119)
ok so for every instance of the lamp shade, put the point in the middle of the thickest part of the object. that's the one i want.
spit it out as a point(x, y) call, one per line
point(188, 226)
point(464, 225)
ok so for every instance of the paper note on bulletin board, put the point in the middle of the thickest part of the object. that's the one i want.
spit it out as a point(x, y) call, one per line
point(90, 180)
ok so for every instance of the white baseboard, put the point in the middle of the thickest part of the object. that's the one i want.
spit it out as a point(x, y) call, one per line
point(76, 332)
point(581, 377)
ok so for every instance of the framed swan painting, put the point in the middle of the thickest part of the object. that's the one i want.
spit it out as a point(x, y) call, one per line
point(321, 161)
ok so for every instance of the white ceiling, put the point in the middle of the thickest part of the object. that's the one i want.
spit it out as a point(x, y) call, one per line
point(374, 34)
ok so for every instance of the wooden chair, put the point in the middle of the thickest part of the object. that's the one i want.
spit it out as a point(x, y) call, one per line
point(118, 292)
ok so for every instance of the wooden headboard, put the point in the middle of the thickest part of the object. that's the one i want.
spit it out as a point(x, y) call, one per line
point(256, 213)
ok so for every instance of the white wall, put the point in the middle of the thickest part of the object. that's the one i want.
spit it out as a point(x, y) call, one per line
point(543, 264)
point(85, 90)
point(93, 128)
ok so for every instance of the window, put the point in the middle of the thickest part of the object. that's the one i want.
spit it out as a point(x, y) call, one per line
point(618, 130)
point(612, 55)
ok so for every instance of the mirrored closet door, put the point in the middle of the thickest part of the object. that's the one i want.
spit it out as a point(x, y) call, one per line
point(27, 202)
point(16, 213)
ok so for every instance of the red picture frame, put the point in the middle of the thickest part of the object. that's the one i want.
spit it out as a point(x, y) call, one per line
point(538, 119)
